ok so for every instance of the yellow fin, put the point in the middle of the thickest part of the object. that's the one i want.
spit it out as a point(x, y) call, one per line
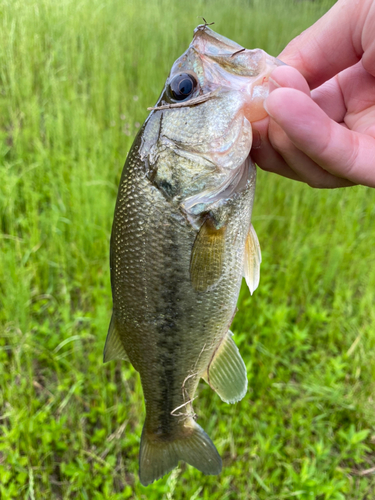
point(226, 372)
point(207, 256)
point(253, 259)
point(113, 348)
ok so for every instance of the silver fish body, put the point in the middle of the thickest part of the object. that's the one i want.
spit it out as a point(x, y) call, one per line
point(181, 242)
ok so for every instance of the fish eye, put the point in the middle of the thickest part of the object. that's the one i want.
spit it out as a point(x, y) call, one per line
point(182, 86)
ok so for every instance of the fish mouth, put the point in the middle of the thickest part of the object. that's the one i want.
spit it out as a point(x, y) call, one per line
point(208, 41)
point(229, 66)
point(230, 55)
point(220, 64)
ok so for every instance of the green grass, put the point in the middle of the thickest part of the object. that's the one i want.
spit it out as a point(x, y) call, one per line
point(76, 77)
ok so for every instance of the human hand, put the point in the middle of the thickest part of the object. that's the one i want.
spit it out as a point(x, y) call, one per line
point(326, 140)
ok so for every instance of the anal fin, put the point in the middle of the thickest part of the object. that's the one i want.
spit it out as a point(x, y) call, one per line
point(253, 259)
point(113, 348)
point(226, 372)
point(207, 256)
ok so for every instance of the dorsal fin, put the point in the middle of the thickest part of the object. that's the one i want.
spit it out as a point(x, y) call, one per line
point(226, 372)
point(113, 348)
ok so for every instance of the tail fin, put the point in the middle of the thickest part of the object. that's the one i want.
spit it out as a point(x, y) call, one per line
point(158, 457)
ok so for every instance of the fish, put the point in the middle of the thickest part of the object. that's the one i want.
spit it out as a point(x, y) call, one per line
point(181, 242)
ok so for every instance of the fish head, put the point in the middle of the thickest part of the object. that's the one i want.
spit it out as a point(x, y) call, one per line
point(212, 94)
point(220, 65)
point(199, 135)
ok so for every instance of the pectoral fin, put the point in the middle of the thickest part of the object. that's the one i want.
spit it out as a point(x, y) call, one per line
point(113, 348)
point(253, 259)
point(226, 372)
point(207, 256)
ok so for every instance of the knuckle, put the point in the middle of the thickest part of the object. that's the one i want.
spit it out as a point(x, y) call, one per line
point(351, 160)
point(317, 184)
point(268, 167)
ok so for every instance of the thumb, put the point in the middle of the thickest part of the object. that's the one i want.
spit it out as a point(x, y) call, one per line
point(286, 76)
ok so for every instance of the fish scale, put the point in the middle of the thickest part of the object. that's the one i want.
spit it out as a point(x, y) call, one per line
point(153, 294)
point(181, 242)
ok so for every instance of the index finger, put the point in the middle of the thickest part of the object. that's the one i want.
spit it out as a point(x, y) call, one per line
point(332, 44)
point(338, 150)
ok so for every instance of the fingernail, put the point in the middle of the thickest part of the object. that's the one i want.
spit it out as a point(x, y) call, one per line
point(272, 84)
point(256, 140)
point(279, 62)
point(266, 108)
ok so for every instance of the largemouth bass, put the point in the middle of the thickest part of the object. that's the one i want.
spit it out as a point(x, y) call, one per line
point(181, 242)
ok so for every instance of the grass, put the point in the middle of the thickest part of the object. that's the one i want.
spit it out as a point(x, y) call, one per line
point(75, 81)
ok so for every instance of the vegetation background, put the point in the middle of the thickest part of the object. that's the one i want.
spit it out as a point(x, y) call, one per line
point(76, 77)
